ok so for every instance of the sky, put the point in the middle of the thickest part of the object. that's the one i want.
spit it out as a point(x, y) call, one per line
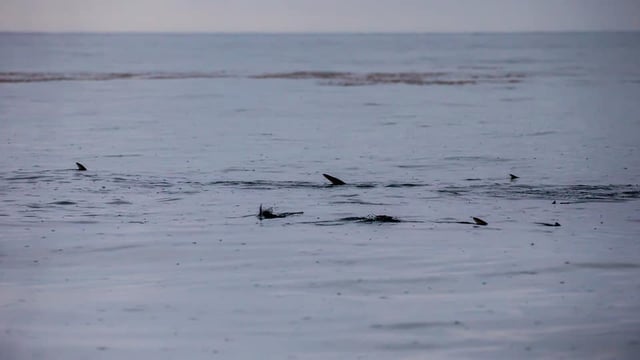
point(318, 15)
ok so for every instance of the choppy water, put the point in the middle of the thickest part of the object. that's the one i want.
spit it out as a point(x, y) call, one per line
point(156, 250)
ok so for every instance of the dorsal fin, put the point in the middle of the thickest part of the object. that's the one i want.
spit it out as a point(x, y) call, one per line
point(513, 177)
point(479, 221)
point(334, 180)
point(81, 167)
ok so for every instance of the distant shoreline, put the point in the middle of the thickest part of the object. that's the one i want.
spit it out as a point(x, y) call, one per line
point(311, 33)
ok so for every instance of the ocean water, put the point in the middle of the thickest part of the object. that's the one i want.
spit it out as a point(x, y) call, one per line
point(156, 251)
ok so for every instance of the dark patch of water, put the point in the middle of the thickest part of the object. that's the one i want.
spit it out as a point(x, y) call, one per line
point(63, 202)
point(416, 325)
point(325, 77)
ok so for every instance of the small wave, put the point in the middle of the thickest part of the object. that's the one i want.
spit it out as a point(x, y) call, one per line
point(567, 267)
point(413, 166)
point(119, 202)
point(476, 158)
point(32, 176)
point(115, 248)
point(170, 199)
point(27, 177)
point(517, 99)
point(84, 222)
point(370, 219)
point(358, 202)
point(407, 346)
point(326, 75)
point(405, 185)
point(267, 184)
point(237, 169)
point(122, 155)
point(541, 133)
point(35, 206)
point(141, 181)
point(607, 266)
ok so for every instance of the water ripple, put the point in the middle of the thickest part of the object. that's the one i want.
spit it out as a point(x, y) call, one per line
point(568, 193)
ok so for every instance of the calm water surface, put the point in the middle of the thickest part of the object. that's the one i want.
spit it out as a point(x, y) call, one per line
point(156, 251)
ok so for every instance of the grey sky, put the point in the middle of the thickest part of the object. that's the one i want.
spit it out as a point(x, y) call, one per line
point(318, 15)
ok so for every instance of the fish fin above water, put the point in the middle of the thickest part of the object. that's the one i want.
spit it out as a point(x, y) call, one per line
point(479, 221)
point(334, 180)
point(265, 213)
point(269, 214)
point(513, 177)
point(549, 224)
point(81, 167)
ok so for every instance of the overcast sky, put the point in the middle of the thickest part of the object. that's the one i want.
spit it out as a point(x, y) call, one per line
point(319, 15)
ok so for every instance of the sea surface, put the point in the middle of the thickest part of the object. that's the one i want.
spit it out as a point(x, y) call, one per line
point(157, 252)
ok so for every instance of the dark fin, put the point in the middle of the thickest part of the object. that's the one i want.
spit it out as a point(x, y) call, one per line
point(265, 213)
point(479, 221)
point(554, 202)
point(269, 214)
point(81, 167)
point(513, 177)
point(549, 224)
point(334, 180)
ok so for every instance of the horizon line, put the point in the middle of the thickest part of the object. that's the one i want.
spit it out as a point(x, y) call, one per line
point(179, 32)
